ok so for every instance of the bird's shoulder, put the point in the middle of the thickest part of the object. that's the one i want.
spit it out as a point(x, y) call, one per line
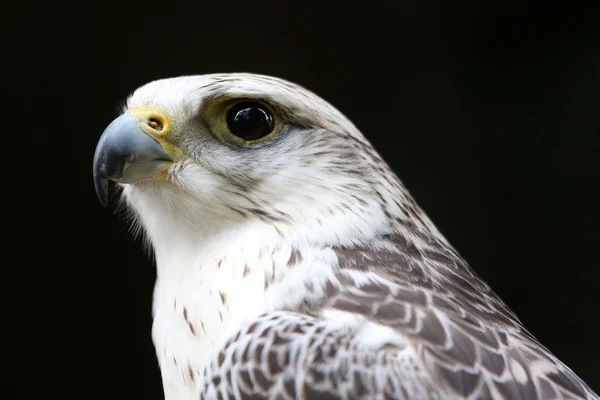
point(460, 331)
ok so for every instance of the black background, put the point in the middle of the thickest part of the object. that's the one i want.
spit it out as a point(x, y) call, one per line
point(489, 114)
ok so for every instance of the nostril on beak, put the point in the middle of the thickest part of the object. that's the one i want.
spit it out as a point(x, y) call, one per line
point(155, 124)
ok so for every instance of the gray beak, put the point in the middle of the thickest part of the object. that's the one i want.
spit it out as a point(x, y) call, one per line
point(126, 154)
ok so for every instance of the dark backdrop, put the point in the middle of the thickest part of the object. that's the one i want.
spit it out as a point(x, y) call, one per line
point(490, 115)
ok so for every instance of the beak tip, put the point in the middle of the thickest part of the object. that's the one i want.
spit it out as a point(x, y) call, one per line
point(101, 185)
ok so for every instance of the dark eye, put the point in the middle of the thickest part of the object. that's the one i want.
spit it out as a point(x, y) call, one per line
point(250, 120)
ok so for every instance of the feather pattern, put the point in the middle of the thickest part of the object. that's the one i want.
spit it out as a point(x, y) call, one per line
point(458, 340)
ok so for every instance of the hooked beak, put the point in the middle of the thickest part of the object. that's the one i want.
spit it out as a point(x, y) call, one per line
point(126, 153)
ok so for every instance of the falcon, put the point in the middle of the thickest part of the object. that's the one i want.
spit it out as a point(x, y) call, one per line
point(292, 263)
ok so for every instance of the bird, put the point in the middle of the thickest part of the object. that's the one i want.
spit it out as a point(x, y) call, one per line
point(292, 262)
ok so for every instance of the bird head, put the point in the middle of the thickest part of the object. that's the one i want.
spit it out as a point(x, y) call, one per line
point(221, 150)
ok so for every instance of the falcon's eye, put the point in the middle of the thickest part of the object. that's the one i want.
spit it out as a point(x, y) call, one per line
point(250, 120)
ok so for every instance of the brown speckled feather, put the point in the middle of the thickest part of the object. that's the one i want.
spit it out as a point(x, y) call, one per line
point(461, 340)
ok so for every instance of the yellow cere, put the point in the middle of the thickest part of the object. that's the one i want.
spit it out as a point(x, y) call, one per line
point(147, 117)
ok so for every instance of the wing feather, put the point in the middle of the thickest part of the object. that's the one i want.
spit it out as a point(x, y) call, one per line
point(470, 342)
point(460, 340)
